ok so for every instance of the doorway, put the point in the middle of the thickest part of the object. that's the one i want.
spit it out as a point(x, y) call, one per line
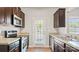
point(38, 33)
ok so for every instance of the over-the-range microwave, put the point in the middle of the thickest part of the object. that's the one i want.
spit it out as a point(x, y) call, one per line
point(17, 21)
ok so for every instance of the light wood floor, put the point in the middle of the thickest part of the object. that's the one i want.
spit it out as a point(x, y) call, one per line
point(39, 49)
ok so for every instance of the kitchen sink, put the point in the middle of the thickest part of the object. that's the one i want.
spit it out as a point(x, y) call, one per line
point(71, 41)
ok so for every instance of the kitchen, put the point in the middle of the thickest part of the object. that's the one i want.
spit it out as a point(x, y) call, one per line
point(40, 29)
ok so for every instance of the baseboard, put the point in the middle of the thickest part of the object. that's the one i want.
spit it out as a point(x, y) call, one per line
point(38, 46)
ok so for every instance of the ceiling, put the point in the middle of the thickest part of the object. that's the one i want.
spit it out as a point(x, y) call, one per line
point(53, 9)
point(71, 10)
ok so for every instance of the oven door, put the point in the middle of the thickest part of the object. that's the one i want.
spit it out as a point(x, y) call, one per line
point(10, 34)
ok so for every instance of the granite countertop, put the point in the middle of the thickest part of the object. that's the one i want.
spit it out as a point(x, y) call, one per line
point(22, 34)
point(63, 39)
point(6, 41)
point(57, 36)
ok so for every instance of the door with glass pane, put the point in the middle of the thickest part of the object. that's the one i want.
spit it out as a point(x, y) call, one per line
point(38, 33)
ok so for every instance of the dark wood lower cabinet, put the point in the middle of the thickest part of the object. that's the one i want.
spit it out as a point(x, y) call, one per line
point(55, 47)
point(63, 47)
point(13, 47)
point(58, 47)
point(4, 48)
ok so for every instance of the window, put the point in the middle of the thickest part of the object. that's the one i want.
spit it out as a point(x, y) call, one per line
point(39, 26)
point(73, 25)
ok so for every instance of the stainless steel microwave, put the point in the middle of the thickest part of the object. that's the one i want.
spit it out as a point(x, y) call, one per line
point(17, 21)
point(10, 34)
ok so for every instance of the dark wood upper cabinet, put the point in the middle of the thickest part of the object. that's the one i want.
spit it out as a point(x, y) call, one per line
point(17, 11)
point(2, 13)
point(59, 18)
point(7, 12)
point(22, 15)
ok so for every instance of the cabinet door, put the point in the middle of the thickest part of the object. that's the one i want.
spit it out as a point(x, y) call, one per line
point(22, 15)
point(8, 14)
point(3, 48)
point(55, 47)
point(15, 11)
point(56, 19)
point(59, 46)
point(59, 18)
point(51, 43)
point(2, 14)
point(62, 17)
point(50, 37)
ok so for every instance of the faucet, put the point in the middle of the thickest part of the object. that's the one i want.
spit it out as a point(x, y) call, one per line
point(73, 38)
point(69, 37)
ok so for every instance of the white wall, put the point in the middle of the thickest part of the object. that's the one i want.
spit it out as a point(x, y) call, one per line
point(45, 14)
point(73, 13)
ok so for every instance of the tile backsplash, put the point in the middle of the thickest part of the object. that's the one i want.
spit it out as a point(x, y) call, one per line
point(62, 30)
point(8, 27)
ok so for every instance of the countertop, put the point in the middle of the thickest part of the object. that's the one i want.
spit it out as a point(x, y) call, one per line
point(22, 34)
point(6, 41)
point(63, 39)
